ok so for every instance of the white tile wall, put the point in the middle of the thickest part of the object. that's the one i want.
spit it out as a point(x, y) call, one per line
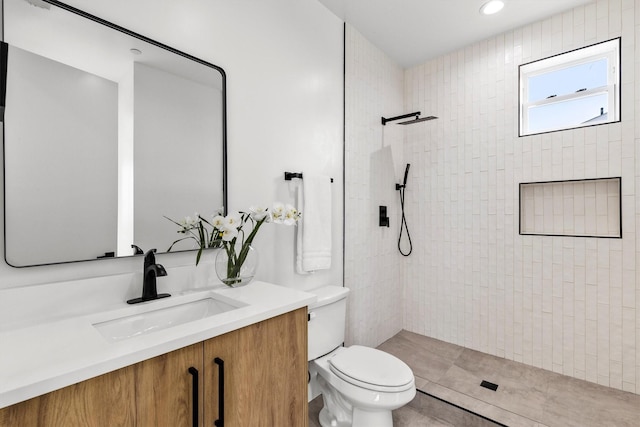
point(561, 303)
point(373, 158)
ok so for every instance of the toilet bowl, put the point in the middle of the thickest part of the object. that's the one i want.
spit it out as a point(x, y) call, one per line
point(360, 386)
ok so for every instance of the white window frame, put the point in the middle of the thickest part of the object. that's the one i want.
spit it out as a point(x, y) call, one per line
point(610, 50)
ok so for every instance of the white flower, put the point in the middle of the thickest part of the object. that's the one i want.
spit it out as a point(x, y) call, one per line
point(222, 231)
point(291, 215)
point(188, 223)
point(259, 213)
point(277, 212)
point(233, 220)
point(217, 221)
point(229, 233)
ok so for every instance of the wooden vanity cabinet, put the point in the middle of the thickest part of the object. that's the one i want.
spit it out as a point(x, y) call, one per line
point(265, 374)
point(105, 400)
point(165, 394)
point(265, 384)
point(155, 392)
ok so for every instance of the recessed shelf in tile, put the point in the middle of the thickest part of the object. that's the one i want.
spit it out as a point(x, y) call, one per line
point(581, 208)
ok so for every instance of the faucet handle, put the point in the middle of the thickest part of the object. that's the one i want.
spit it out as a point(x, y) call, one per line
point(160, 270)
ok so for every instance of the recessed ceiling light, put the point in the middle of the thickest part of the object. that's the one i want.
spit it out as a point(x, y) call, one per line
point(135, 51)
point(491, 7)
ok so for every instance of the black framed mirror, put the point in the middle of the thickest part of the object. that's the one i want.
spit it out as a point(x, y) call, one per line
point(106, 133)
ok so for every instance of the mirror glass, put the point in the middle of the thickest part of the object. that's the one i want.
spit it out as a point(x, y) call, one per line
point(106, 133)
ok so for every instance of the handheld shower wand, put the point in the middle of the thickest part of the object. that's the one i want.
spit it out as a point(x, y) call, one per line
point(404, 181)
point(403, 223)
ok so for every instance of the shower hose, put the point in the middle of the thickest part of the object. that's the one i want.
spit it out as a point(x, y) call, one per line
point(403, 225)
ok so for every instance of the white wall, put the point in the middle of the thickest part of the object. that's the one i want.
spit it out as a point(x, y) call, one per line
point(374, 164)
point(564, 304)
point(284, 60)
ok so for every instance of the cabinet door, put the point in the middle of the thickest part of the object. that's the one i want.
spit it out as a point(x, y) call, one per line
point(156, 392)
point(107, 400)
point(265, 374)
point(165, 394)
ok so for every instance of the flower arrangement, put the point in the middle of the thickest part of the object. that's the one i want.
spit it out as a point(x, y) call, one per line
point(225, 231)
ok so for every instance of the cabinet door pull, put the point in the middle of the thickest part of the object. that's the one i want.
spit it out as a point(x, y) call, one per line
point(194, 395)
point(220, 421)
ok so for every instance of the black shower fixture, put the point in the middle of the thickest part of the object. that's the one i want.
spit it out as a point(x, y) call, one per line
point(417, 118)
point(403, 222)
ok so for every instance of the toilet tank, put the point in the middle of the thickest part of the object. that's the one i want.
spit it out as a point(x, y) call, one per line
point(327, 320)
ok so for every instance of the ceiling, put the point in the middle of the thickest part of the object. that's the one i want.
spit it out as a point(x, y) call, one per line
point(413, 31)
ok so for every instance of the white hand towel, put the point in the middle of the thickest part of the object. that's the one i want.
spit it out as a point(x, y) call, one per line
point(314, 228)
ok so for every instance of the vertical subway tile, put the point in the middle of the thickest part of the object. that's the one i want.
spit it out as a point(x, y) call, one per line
point(566, 304)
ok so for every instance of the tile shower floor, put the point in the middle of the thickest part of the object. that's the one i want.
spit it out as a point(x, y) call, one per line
point(526, 396)
point(422, 411)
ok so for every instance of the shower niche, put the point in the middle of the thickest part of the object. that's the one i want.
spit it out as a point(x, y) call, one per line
point(576, 208)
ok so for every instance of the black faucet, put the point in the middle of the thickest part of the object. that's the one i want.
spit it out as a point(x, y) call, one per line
point(150, 272)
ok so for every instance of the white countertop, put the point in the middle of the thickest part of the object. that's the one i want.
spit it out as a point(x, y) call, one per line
point(39, 358)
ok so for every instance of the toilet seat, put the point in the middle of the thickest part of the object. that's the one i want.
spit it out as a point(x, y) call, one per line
point(372, 369)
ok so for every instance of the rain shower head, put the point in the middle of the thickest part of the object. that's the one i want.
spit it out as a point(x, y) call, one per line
point(417, 119)
point(406, 116)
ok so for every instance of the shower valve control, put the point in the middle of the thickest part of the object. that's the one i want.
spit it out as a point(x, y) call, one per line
point(383, 218)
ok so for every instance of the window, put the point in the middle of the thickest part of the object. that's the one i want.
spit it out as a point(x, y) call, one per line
point(574, 89)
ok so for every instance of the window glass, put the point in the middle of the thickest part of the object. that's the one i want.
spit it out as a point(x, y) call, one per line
point(568, 80)
point(569, 114)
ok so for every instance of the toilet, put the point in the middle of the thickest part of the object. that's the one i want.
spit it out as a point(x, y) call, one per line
point(360, 386)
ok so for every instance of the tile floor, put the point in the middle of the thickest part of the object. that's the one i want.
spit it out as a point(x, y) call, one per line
point(422, 411)
point(526, 396)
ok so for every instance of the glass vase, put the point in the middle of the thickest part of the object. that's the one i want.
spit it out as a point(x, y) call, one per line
point(236, 266)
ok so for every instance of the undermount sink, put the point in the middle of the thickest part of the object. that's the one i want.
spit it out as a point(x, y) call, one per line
point(144, 323)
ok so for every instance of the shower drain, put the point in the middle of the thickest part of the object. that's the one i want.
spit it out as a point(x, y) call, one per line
point(489, 385)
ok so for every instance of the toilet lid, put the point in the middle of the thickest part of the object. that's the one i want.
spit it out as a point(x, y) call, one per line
point(366, 367)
